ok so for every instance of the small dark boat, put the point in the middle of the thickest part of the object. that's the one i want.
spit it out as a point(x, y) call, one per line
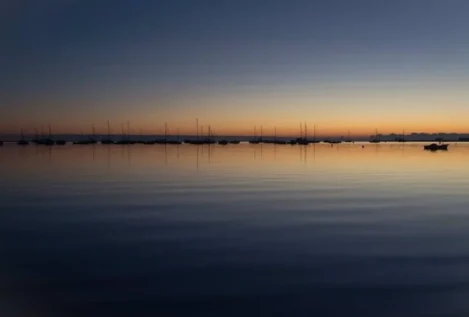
point(376, 138)
point(108, 140)
point(234, 142)
point(60, 142)
point(223, 142)
point(436, 147)
point(303, 140)
point(256, 140)
point(46, 142)
point(292, 142)
point(22, 141)
point(349, 140)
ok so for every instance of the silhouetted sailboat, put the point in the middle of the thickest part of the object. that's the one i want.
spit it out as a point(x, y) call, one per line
point(91, 139)
point(172, 141)
point(36, 139)
point(197, 141)
point(314, 136)
point(276, 140)
point(255, 140)
point(376, 138)
point(123, 140)
point(163, 140)
point(303, 139)
point(402, 138)
point(50, 140)
point(210, 139)
point(108, 140)
point(22, 141)
point(47, 141)
point(349, 140)
point(295, 141)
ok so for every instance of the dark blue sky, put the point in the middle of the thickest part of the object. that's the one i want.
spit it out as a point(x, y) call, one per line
point(86, 59)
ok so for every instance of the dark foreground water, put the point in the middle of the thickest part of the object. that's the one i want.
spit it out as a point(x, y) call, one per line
point(240, 230)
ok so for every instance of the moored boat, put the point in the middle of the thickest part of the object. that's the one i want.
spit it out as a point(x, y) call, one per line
point(22, 141)
point(436, 147)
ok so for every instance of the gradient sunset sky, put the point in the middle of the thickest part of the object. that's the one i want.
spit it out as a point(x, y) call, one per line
point(340, 64)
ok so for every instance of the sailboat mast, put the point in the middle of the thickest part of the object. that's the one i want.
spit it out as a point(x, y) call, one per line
point(165, 131)
point(262, 134)
point(314, 131)
point(197, 127)
point(108, 130)
point(306, 132)
point(301, 130)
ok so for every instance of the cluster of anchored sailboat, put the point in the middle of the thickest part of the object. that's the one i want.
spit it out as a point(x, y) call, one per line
point(302, 140)
point(200, 139)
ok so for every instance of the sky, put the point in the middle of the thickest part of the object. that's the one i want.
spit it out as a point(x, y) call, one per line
point(338, 64)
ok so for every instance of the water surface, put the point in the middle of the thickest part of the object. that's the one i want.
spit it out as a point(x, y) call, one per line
point(237, 230)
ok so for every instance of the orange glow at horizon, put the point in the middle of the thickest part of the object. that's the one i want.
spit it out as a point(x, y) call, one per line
point(334, 111)
point(246, 128)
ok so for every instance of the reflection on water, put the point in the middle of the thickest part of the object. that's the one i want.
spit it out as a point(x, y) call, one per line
point(261, 230)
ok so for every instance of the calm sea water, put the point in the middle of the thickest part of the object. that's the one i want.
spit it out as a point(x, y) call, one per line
point(237, 230)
